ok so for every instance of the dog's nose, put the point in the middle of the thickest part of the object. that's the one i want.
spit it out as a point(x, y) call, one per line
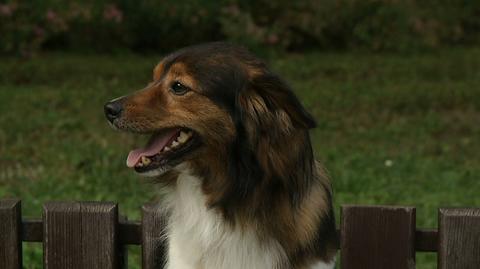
point(113, 110)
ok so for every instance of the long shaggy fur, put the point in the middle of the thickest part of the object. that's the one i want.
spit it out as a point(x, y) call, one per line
point(252, 195)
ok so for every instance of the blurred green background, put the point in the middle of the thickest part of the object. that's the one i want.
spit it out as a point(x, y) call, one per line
point(394, 86)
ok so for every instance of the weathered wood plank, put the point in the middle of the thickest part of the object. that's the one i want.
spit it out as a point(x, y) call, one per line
point(80, 235)
point(153, 241)
point(459, 233)
point(377, 237)
point(10, 238)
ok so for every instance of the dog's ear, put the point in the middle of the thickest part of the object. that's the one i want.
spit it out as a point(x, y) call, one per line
point(268, 102)
point(272, 147)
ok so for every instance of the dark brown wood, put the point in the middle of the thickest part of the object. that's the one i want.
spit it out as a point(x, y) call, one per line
point(426, 240)
point(10, 238)
point(459, 233)
point(80, 235)
point(122, 250)
point(32, 230)
point(371, 227)
point(153, 239)
point(130, 233)
point(377, 237)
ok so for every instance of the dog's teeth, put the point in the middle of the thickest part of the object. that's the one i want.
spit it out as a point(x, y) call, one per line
point(166, 149)
point(145, 160)
point(189, 134)
point(175, 144)
point(139, 164)
point(182, 137)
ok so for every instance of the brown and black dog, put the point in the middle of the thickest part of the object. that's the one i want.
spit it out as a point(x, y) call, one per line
point(230, 145)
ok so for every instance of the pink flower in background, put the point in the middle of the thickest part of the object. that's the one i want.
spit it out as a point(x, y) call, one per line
point(56, 21)
point(112, 13)
point(6, 10)
point(272, 39)
point(51, 15)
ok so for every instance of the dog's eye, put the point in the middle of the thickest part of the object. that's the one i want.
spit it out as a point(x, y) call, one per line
point(178, 88)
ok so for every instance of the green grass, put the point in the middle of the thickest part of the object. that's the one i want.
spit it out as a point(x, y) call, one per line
point(421, 113)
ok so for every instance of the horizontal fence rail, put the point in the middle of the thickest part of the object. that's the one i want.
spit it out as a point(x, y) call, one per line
point(92, 235)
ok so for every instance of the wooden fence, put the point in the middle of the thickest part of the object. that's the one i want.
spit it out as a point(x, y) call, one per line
point(91, 235)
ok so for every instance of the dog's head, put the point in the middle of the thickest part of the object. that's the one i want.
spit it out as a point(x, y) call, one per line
point(215, 104)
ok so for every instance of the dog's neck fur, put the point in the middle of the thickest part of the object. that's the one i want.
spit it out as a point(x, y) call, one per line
point(200, 237)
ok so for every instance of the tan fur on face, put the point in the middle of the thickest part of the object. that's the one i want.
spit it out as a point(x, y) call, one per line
point(156, 107)
point(158, 71)
point(179, 72)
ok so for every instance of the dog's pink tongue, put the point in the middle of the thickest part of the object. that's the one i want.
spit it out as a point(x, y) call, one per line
point(154, 146)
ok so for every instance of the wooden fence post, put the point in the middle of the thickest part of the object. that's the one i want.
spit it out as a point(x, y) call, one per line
point(10, 231)
point(153, 239)
point(377, 237)
point(459, 244)
point(80, 235)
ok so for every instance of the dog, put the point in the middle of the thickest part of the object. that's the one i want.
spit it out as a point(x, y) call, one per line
point(229, 144)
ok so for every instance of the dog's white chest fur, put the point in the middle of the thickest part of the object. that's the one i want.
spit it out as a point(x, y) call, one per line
point(200, 239)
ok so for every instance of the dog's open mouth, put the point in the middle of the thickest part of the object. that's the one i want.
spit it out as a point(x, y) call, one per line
point(165, 149)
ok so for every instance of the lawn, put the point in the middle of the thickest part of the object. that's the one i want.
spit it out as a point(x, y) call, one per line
point(392, 129)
